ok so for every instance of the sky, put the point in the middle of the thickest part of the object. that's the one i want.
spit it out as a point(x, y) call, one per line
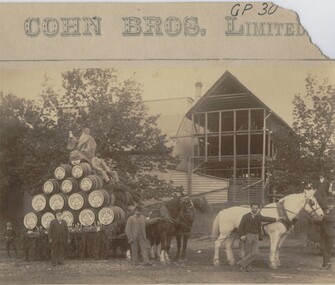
point(274, 85)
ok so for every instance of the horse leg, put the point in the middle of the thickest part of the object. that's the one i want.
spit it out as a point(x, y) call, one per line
point(152, 250)
point(280, 242)
point(168, 244)
point(217, 246)
point(178, 238)
point(163, 247)
point(229, 251)
point(274, 238)
point(185, 240)
point(158, 249)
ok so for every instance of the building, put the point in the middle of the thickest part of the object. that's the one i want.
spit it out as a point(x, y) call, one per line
point(223, 141)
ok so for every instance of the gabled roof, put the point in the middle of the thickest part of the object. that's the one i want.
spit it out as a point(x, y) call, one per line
point(228, 93)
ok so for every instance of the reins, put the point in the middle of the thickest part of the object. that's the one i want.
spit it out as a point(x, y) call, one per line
point(172, 220)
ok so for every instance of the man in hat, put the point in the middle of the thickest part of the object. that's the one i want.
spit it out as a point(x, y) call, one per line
point(322, 187)
point(87, 144)
point(10, 235)
point(58, 237)
point(82, 148)
point(136, 234)
point(327, 233)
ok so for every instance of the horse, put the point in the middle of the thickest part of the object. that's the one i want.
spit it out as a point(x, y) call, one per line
point(228, 220)
point(177, 216)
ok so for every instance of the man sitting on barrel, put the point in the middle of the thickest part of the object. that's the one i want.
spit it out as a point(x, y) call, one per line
point(102, 169)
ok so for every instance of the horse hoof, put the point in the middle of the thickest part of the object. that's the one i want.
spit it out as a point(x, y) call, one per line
point(231, 263)
point(216, 263)
point(273, 266)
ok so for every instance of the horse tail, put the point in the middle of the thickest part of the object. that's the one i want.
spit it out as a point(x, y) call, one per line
point(215, 227)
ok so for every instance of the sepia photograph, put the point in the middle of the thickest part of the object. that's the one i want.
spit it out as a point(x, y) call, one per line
point(167, 143)
point(131, 175)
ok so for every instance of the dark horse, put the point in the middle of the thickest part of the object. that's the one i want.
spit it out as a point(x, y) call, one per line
point(177, 217)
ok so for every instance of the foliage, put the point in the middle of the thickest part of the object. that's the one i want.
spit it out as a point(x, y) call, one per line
point(34, 134)
point(285, 166)
point(314, 122)
point(301, 155)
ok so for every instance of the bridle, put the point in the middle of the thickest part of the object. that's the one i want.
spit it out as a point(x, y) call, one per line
point(183, 219)
point(311, 203)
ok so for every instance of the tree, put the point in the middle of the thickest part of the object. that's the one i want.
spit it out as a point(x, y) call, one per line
point(115, 113)
point(303, 153)
point(314, 122)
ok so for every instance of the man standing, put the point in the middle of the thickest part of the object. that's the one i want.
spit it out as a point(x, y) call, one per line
point(251, 232)
point(58, 237)
point(135, 231)
point(327, 234)
point(322, 187)
point(10, 235)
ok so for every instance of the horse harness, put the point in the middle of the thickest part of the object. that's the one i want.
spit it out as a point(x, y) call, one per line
point(282, 212)
point(183, 219)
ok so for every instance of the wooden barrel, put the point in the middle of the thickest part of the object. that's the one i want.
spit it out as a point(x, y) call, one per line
point(69, 185)
point(46, 219)
point(58, 201)
point(87, 217)
point(78, 201)
point(50, 186)
point(112, 199)
point(99, 198)
point(39, 202)
point(89, 183)
point(81, 170)
point(120, 196)
point(129, 198)
point(122, 214)
point(62, 171)
point(108, 215)
point(31, 220)
point(68, 217)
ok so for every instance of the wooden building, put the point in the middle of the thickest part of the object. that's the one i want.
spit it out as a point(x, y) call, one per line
point(226, 137)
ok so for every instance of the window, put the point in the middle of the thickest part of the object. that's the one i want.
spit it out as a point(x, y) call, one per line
point(242, 120)
point(256, 119)
point(213, 122)
point(227, 145)
point(241, 144)
point(227, 121)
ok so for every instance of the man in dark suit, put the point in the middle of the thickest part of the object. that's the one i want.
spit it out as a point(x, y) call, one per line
point(136, 234)
point(327, 233)
point(58, 237)
point(10, 235)
point(322, 186)
point(250, 231)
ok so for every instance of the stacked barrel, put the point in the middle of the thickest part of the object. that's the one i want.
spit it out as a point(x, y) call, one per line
point(83, 197)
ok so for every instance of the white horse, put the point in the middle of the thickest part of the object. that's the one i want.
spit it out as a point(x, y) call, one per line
point(290, 206)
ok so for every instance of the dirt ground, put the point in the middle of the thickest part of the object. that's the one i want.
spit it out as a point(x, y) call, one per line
point(300, 264)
